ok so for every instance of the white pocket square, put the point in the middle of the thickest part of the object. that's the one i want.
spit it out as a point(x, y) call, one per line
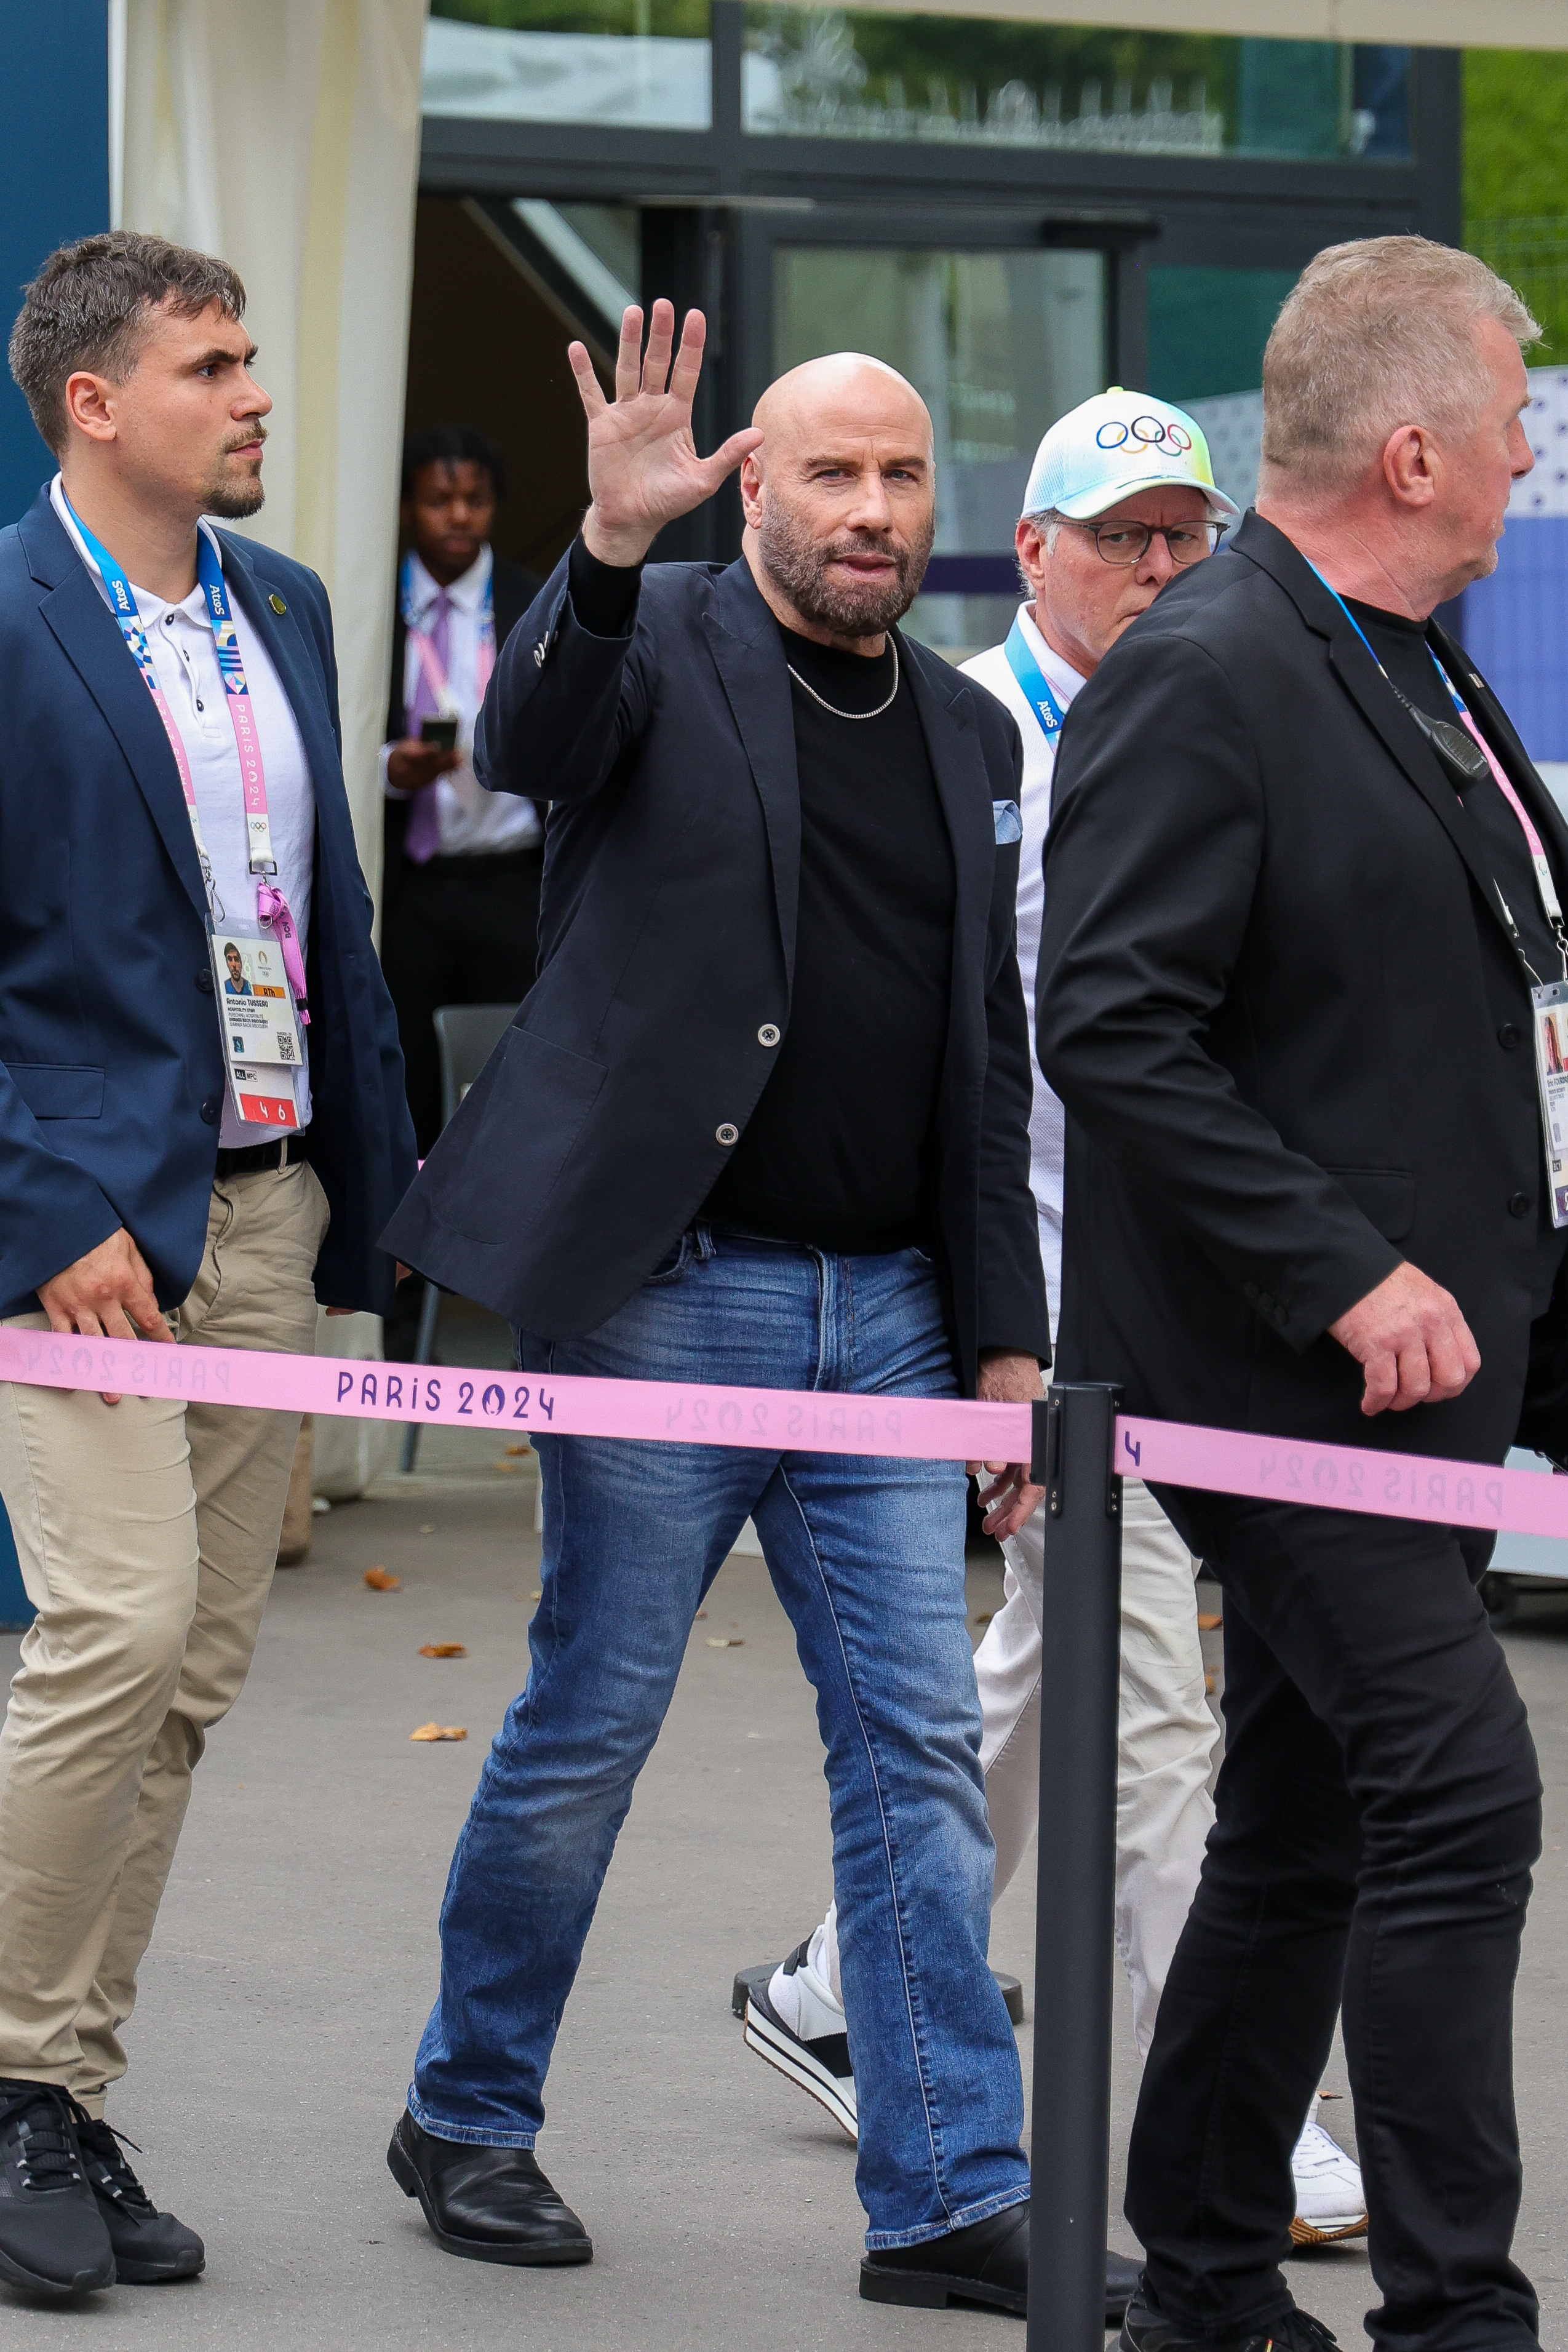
point(1008, 823)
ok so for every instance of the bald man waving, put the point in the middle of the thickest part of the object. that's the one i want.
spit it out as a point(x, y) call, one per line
point(763, 1120)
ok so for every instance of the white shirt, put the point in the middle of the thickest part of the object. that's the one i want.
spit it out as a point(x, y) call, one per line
point(1047, 1121)
point(472, 819)
point(185, 657)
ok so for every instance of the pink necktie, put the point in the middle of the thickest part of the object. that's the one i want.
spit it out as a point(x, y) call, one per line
point(422, 838)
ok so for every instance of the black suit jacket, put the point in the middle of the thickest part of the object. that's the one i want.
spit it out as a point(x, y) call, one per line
point(667, 941)
point(1278, 1000)
point(513, 590)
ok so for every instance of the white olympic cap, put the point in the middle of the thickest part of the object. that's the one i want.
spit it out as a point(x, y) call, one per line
point(1108, 448)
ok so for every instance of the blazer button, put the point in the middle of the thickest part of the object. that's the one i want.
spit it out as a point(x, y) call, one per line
point(212, 1109)
point(768, 1034)
point(727, 1133)
point(1509, 1037)
point(1519, 1206)
point(204, 981)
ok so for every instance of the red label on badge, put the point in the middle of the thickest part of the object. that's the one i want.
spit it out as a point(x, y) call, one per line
point(268, 1110)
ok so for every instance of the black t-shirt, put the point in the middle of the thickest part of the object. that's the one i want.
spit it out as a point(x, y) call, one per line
point(1402, 646)
point(836, 1151)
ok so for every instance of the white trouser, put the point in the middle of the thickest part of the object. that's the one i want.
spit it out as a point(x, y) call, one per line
point(1166, 1739)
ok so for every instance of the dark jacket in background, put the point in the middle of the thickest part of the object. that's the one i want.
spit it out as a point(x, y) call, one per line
point(513, 590)
point(667, 941)
point(111, 1064)
point(1278, 1000)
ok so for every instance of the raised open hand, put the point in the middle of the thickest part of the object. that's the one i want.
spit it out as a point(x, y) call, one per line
point(642, 466)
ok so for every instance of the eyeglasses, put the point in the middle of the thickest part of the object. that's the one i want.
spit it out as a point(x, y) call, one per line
point(1126, 543)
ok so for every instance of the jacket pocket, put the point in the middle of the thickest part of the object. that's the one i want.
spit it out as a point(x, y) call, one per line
point(56, 1090)
point(533, 1114)
point(1385, 1197)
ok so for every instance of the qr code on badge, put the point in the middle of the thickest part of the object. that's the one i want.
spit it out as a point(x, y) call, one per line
point(284, 1048)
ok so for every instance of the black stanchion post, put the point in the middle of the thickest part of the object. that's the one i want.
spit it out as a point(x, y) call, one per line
point(1074, 1439)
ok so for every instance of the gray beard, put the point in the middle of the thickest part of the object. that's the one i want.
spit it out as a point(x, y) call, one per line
point(796, 563)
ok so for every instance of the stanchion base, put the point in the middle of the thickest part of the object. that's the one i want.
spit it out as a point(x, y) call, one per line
point(1012, 1991)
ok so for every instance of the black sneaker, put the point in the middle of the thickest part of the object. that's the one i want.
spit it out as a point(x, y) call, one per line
point(52, 2238)
point(150, 2247)
point(1147, 2328)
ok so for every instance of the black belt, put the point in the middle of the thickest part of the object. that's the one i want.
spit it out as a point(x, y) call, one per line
point(246, 1158)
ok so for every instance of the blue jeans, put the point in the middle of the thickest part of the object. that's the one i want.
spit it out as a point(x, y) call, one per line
point(867, 1557)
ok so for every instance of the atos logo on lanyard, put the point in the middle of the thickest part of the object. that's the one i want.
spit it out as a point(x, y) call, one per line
point(1032, 681)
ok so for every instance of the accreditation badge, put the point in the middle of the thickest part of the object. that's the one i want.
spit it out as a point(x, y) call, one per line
point(1549, 1017)
point(262, 1046)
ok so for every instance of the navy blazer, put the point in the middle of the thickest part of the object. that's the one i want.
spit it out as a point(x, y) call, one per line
point(667, 943)
point(111, 1066)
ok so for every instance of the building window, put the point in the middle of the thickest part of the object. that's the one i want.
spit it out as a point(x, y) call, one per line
point(622, 64)
point(843, 75)
point(998, 345)
point(1207, 329)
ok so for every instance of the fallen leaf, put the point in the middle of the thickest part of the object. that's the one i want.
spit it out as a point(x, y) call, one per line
point(536, 1594)
point(441, 1650)
point(381, 1579)
point(519, 1449)
point(985, 1617)
point(726, 1642)
point(702, 1612)
point(510, 1468)
point(1208, 1684)
point(1209, 1621)
point(428, 1530)
point(440, 1731)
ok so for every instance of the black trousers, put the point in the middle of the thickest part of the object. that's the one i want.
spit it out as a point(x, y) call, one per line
point(458, 930)
point(1378, 1815)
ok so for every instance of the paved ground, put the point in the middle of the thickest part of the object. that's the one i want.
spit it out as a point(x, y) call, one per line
point(296, 1958)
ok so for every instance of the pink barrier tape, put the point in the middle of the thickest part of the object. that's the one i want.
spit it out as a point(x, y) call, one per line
point(930, 1429)
point(1343, 1478)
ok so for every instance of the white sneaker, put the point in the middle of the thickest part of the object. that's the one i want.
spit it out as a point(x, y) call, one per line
point(798, 2027)
point(1330, 2202)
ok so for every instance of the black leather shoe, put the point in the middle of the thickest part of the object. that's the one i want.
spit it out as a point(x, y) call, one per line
point(52, 2238)
point(1147, 2328)
point(988, 2262)
point(150, 2247)
point(490, 2204)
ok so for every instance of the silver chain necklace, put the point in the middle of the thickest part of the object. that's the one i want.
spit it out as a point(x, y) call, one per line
point(833, 708)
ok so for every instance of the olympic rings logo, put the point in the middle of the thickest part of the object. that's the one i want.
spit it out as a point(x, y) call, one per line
point(1150, 432)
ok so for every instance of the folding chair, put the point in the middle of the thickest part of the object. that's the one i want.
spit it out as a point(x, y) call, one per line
point(467, 1035)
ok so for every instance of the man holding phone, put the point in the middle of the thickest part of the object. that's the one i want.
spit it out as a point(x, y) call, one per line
point(460, 887)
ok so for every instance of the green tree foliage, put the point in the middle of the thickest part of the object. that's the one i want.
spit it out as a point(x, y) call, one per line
point(1516, 134)
point(1516, 179)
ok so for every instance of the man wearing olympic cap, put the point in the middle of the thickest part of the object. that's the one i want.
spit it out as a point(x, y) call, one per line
point(1121, 495)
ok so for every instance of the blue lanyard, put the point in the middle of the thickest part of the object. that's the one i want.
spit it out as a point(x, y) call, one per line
point(1031, 680)
point(1546, 882)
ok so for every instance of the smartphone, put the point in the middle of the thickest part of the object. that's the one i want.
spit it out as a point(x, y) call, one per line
point(443, 732)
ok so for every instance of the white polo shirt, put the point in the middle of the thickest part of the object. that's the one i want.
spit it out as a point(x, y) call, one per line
point(1047, 1121)
point(185, 657)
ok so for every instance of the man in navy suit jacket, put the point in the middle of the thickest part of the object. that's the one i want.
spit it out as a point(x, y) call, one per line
point(762, 1119)
point(140, 1191)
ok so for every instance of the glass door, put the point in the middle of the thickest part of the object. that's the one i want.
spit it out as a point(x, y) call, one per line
point(999, 343)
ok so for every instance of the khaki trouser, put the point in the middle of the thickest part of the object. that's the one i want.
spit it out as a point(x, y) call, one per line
point(147, 1533)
